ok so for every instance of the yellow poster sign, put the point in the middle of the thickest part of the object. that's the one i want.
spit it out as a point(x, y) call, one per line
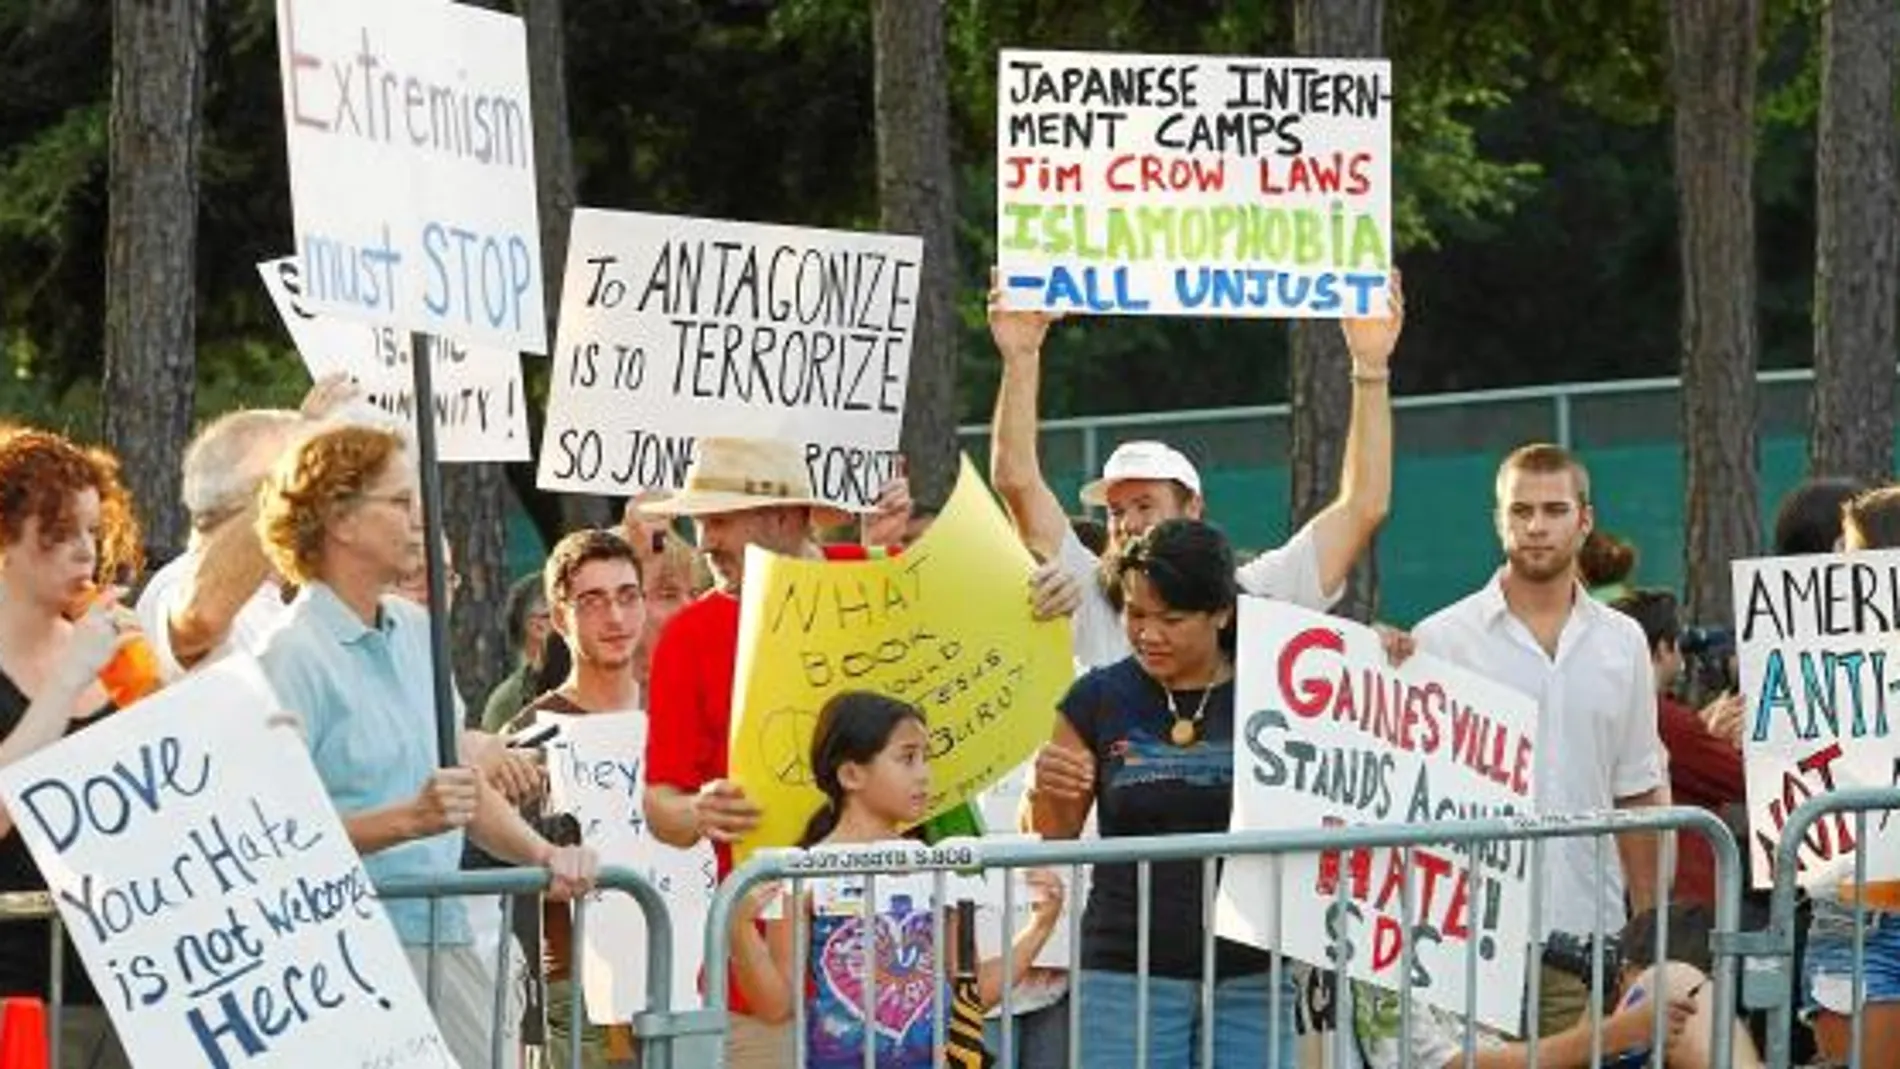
point(945, 626)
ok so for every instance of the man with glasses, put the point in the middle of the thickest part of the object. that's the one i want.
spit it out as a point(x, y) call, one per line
point(339, 516)
point(598, 606)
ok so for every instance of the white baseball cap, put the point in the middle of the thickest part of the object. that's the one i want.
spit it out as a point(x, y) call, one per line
point(1142, 460)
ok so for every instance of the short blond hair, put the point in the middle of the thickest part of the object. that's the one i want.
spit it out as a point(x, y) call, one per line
point(308, 485)
point(1544, 458)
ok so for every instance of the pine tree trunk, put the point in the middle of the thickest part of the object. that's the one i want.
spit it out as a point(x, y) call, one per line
point(1320, 388)
point(1857, 242)
point(917, 191)
point(151, 253)
point(557, 183)
point(1712, 51)
point(474, 501)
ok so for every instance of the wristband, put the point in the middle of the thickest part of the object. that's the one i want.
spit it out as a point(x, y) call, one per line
point(1361, 374)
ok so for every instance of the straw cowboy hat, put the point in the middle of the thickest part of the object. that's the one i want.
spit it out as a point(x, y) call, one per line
point(736, 474)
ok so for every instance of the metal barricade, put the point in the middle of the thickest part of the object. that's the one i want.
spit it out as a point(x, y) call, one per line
point(25, 907)
point(1773, 980)
point(665, 1038)
point(801, 867)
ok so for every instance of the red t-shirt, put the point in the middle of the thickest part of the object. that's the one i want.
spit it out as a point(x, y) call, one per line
point(689, 702)
point(1703, 771)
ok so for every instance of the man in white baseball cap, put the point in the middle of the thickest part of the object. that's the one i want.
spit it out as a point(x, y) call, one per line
point(1146, 482)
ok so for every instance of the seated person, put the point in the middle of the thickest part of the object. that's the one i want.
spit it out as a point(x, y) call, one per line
point(1438, 1038)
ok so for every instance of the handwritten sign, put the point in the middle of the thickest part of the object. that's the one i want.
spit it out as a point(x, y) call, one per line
point(946, 627)
point(673, 328)
point(412, 167)
point(1814, 638)
point(595, 772)
point(1330, 733)
point(480, 414)
point(211, 890)
point(1194, 185)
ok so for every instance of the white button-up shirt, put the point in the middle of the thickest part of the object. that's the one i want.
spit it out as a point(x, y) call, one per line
point(1596, 729)
point(165, 592)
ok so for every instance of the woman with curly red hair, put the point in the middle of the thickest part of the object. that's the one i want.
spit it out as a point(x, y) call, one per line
point(66, 527)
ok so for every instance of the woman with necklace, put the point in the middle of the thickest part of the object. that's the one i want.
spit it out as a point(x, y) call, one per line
point(1149, 740)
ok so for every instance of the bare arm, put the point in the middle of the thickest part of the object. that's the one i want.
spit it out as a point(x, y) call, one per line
point(500, 831)
point(669, 812)
point(1028, 943)
point(96, 637)
point(1015, 467)
point(1641, 852)
point(227, 576)
point(763, 962)
point(1056, 806)
point(1343, 529)
point(375, 830)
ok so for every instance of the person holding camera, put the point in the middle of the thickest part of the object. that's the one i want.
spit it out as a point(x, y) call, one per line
point(1704, 770)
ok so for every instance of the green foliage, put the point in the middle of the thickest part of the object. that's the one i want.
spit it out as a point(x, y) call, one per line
point(1535, 213)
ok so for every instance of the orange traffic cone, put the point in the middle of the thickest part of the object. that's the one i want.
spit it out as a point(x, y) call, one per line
point(22, 1034)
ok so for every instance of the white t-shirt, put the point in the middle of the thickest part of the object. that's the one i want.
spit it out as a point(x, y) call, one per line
point(1289, 573)
point(1596, 729)
point(164, 592)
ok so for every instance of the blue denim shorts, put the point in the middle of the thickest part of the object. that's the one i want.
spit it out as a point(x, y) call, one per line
point(1829, 972)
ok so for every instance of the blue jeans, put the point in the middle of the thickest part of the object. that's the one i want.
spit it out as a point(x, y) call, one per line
point(1040, 1041)
point(1243, 1025)
point(1830, 961)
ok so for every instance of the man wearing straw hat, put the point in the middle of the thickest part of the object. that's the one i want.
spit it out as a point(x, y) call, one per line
point(739, 492)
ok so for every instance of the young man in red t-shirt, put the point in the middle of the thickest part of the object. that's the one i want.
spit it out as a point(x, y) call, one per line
point(744, 492)
point(1703, 769)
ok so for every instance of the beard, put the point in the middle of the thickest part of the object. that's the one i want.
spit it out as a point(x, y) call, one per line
point(1556, 564)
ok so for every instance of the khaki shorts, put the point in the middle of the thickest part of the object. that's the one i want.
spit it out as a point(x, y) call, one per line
point(465, 1006)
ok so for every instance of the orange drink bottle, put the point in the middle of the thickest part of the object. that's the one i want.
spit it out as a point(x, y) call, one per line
point(132, 673)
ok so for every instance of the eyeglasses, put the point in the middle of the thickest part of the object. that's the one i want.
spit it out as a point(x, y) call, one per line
point(595, 602)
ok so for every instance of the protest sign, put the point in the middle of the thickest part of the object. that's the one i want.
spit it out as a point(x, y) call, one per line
point(596, 771)
point(673, 328)
point(946, 627)
point(1329, 733)
point(412, 176)
point(211, 889)
point(480, 414)
point(1194, 185)
point(999, 807)
point(1813, 638)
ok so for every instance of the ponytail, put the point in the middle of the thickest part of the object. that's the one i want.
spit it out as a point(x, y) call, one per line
point(853, 728)
point(821, 824)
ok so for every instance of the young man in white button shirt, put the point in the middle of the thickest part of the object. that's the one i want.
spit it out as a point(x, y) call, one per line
point(1534, 628)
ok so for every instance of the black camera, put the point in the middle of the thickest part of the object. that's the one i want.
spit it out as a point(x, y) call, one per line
point(1575, 955)
point(1708, 662)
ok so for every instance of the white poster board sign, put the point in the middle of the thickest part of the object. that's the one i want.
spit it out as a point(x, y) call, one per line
point(1815, 641)
point(211, 890)
point(999, 807)
point(596, 771)
point(481, 412)
point(411, 150)
point(1327, 732)
point(674, 327)
point(1194, 185)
